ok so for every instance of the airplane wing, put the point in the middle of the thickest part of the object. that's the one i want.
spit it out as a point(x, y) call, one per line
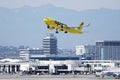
point(59, 23)
point(60, 26)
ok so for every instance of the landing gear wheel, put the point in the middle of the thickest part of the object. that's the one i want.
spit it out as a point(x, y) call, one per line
point(62, 26)
point(65, 31)
point(56, 32)
point(48, 26)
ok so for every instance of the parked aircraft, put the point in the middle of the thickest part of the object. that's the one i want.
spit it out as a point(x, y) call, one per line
point(115, 72)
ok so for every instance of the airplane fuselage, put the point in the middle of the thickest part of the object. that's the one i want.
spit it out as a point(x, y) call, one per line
point(74, 31)
point(53, 24)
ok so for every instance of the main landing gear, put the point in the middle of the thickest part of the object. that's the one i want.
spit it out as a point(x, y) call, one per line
point(48, 26)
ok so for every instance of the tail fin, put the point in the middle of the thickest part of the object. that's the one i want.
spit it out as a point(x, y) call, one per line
point(81, 26)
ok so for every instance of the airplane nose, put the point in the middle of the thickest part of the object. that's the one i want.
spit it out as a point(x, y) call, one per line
point(44, 19)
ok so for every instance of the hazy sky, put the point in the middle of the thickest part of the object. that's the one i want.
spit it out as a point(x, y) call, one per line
point(79, 5)
point(70, 4)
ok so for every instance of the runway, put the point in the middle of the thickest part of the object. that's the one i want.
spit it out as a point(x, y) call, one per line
point(52, 77)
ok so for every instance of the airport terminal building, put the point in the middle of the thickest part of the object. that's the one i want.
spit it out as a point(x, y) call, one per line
point(14, 66)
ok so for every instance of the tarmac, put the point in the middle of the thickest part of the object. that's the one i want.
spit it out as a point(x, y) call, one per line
point(52, 77)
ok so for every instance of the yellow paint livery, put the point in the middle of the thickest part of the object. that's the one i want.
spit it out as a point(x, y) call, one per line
point(53, 24)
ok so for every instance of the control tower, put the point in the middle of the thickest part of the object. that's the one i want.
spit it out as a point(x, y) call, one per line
point(50, 44)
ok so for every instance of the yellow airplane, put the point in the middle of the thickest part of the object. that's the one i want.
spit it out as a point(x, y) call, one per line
point(53, 24)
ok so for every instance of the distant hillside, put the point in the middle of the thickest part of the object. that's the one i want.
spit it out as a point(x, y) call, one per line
point(24, 26)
